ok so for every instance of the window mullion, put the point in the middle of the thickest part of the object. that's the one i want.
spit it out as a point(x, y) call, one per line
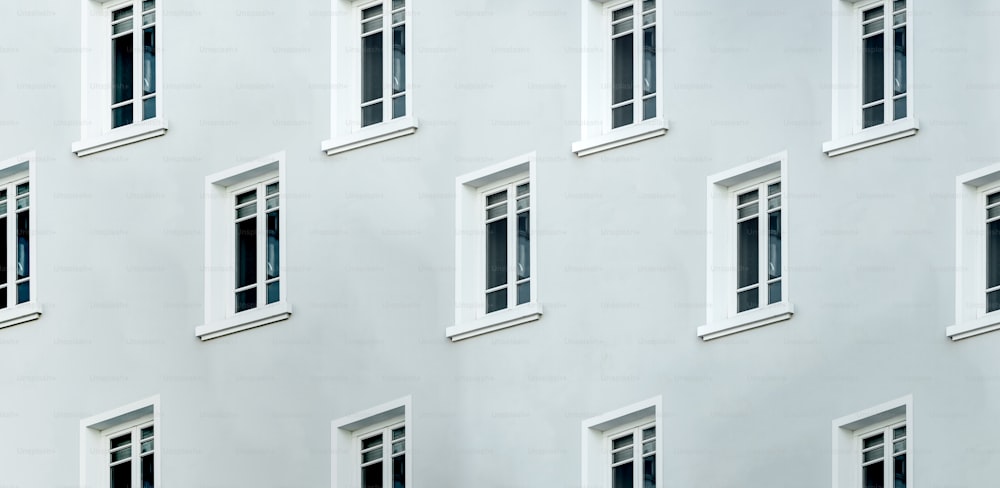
point(136, 471)
point(12, 244)
point(261, 244)
point(386, 458)
point(762, 246)
point(137, 53)
point(512, 245)
point(637, 54)
point(386, 60)
point(888, 51)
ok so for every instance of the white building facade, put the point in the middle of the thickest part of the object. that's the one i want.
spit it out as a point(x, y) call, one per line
point(417, 243)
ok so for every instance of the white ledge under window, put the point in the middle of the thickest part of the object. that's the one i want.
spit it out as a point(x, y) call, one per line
point(872, 136)
point(374, 134)
point(621, 136)
point(522, 314)
point(981, 325)
point(121, 136)
point(249, 319)
point(747, 320)
point(25, 312)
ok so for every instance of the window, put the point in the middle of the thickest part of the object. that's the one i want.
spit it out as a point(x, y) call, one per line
point(873, 102)
point(872, 447)
point(977, 267)
point(496, 270)
point(371, 448)
point(122, 100)
point(621, 92)
point(747, 269)
point(121, 447)
point(17, 243)
point(370, 61)
point(244, 279)
point(620, 447)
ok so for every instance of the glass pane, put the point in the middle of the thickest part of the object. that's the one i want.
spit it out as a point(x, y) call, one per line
point(3, 253)
point(648, 5)
point(774, 244)
point(146, 446)
point(874, 454)
point(371, 25)
point(146, 432)
point(148, 18)
point(774, 188)
point(246, 252)
point(399, 472)
point(399, 106)
point(121, 454)
point(873, 115)
point(747, 253)
point(523, 246)
point(375, 440)
point(398, 59)
point(873, 66)
point(992, 254)
point(121, 13)
point(23, 292)
point(898, 5)
point(3, 297)
point(246, 211)
point(271, 189)
point(899, 446)
point(398, 4)
point(121, 116)
point(747, 300)
point(746, 197)
point(23, 263)
point(872, 476)
point(649, 61)
point(372, 455)
point(373, 11)
point(148, 60)
point(273, 292)
point(246, 300)
point(621, 116)
point(648, 433)
point(498, 211)
point(496, 300)
point(622, 455)
point(649, 472)
point(898, 432)
point(122, 440)
point(272, 202)
point(398, 17)
point(774, 202)
point(148, 5)
point(899, 471)
point(21, 203)
point(496, 198)
point(371, 476)
point(899, 61)
point(874, 26)
point(648, 446)
point(649, 108)
point(875, 440)
point(371, 68)
point(873, 13)
point(496, 253)
point(122, 27)
point(20, 190)
point(398, 433)
point(522, 203)
point(524, 188)
point(272, 259)
point(774, 292)
point(621, 14)
point(621, 442)
point(398, 447)
point(146, 477)
point(246, 197)
point(371, 114)
point(649, 18)
point(121, 475)
point(621, 69)
point(524, 293)
point(621, 476)
point(121, 68)
point(149, 108)
point(993, 301)
point(898, 18)
point(899, 108)
point(747, 211)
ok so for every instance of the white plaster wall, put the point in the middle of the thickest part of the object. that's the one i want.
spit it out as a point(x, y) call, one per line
point(621, 251)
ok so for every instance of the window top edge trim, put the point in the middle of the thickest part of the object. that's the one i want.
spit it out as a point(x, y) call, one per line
point(871, 414)
point(498, 171)
point(987, 175)
point(123, 413)
point(625, 414)
point(360, 419)
point(248, 170)
point(26, 159)
point(773, 163)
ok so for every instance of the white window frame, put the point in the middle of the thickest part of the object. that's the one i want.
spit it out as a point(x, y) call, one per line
point(220, 188)
point(596, 134)
point(471, 318)
point(971, 318)
point(346, 132)
point(847, 432)
point(96, 134)
point(847, 133)
point(259, 184)
point(96, 431)
point(722, 318)
point(597, 432)
point(346, 434)
point(15, 170)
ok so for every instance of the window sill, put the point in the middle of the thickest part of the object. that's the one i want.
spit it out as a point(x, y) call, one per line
point(375, 134)
point(270, 314)
point(746, 321)
point(621, 136)
point(121, 136)
point(19, 314)
point(522, 314)
point(981, 325)
point(869, 137)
